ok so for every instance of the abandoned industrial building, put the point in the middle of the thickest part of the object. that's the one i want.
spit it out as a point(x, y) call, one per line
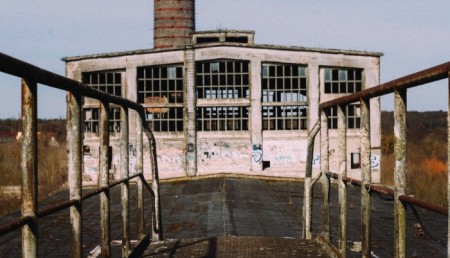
point(220, 103)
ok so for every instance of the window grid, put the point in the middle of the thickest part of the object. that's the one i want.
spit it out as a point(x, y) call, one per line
point(342, 80)
point(353, 113)
point(222, 118)
point(285, 117)
point(284, 83)
point(160, 89)
point(109, 82)
point(222, 79)
point(92, 119)
point(285, 87)
point(165, 119)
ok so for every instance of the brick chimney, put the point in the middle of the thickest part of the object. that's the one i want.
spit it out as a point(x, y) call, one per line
point(174, 21)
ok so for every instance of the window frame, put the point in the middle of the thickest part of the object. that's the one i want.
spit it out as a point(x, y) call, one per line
point(284, 86)
point(222, 79)
point(164, 108)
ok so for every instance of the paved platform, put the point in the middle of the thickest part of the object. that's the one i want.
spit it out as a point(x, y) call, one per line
point(221, 209)
point(236, 247)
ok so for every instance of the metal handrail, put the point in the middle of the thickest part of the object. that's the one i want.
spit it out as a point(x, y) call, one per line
point(32, 75)
point(398, 87)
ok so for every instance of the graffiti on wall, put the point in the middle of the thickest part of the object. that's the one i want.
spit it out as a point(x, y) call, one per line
point(288, 154)
point(90, 169)
point(170, 157)
point(257, 153)
point(219, 154)
point(374, 161)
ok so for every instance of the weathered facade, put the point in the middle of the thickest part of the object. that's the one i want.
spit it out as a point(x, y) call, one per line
point(223, 104)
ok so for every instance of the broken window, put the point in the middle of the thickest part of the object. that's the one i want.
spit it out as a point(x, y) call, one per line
point(222, 79)
point(109, 81)
point(222, 118)
point(91, 118)
point(160, 90)
point(341, 80)
point(354, 116)
point(284, 97)
point(353, 113)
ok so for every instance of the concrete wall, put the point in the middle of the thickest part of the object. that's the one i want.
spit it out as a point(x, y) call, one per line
point(241, 152)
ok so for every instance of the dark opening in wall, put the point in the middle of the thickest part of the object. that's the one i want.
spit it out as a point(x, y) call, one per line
point(355, 160)
point(266, 164)
point(207, 39)
point(237, 39)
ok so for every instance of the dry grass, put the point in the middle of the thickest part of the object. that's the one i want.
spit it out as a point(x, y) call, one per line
point(52, 171)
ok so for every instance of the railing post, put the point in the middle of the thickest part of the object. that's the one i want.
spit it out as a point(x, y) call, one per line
point(156, 221)
point(140, 225)
point(74, 147)
point(28, 168)
point(307, 206)
point(342, 161)
point(448, 173)
point(366, 178)
point(400, 113)
point(325, 168)
point(104, 180)
point(125, 186)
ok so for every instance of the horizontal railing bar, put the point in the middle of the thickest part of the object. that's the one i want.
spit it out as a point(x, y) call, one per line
point(432, 74)
point(19, 68)
point(15, 224)
point(388, 191)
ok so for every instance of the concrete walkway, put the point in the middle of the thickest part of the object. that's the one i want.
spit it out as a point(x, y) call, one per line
point(229, 214)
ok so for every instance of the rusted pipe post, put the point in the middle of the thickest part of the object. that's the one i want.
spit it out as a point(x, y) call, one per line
point(448, 173)
point(366, 178)
point(342, 161)
point(74, 147)
point(104, 180)
point(140, 224)
point(325, 168)
point(28, 167)
point(125, 186)
point(307, 206)
point(400, 172)
point(156, 222)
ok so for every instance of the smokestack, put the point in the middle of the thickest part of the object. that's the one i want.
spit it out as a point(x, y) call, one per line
point(174, 21)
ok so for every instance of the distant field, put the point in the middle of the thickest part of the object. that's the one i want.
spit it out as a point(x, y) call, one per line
point(52, 163)
point(426, 154)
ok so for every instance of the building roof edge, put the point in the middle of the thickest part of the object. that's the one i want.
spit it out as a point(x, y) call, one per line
point(224, 44)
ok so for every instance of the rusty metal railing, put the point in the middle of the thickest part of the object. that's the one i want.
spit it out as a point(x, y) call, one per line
point(399, 88)
point(28, 222)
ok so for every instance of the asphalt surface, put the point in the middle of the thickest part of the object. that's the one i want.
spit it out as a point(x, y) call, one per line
point(206, 209)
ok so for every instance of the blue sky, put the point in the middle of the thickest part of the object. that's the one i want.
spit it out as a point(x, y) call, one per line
point(412, 34)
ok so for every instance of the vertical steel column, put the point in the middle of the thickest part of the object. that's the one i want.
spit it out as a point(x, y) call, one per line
point(448, 162)
point(342, 161)
point(156, 221)
point(325, 168)
point(140, 225)
point(28, 167)
point(125, 186)
point(74, 147)
point(307, 206)
point(400, 172)
point(104, 180)
point(366, 178)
